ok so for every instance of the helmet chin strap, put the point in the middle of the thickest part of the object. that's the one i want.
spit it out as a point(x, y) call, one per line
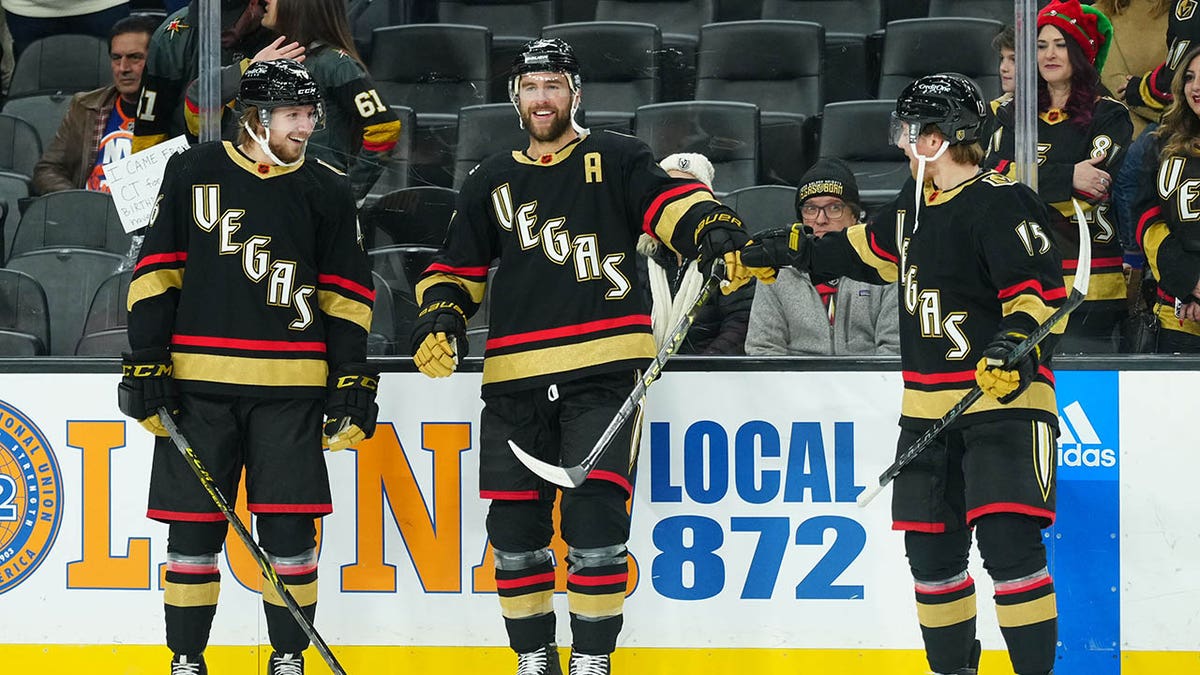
point(921, 161)
point(264, 144)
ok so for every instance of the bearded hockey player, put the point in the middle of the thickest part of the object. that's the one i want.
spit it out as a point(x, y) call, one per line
point(568, 333)
point(262, 340)
point(977, 274)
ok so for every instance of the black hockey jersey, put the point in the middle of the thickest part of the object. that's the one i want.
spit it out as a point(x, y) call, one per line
point(253, 275)
point(1183, 33)
point(1169, 233)
point(978, 262)
point(1061, 145)
point(564, 300)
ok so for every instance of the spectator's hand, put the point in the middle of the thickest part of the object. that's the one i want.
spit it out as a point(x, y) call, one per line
point(278, 50)
point(1124, 87)
point(1189, 311)
point(1090, 179)
point(439, 332)
point(1005, 385)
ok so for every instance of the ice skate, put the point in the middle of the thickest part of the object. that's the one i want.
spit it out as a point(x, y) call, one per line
point(590, 664)
point(544, 661)
point(182, 664)
point(286, 664)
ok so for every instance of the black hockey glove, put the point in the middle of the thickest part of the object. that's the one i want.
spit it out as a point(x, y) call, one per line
point(350, 408)
point(439, 338)
point(781, 247)
point(1006, 385)
point(721, 236)
point(147, 385)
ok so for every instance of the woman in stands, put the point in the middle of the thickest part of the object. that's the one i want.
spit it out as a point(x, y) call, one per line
point(1082, 136)
point(1169, 227)
point(360, 129)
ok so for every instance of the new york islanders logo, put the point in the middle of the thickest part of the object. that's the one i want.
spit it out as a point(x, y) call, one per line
point(30, 497)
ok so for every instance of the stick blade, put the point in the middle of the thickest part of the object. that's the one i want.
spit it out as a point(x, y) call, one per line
point(554, 474)
point(867, 495)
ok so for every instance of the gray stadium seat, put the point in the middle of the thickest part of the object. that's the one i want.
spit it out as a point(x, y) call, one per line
point(435, 69)
point(104, 343)
point(45, 112)
point(512, 22)
point(916, 47)
point(679, 21)
point(108, 309)
point(996, 10)
point(837, 16)
point(414, 216)
point(72, 219)
point(484, 130)
point(857, 132)
point(619, 63)
point(396, 174)
point(70, 278)
point(367, 15)
point(24, 315)
point(20, 146)
point(726, 132)
point(763, 207)
point(382, 339)
point(61, 63)
point(401, 267)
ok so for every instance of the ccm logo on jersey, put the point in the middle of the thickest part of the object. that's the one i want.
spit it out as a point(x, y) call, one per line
point(557, 244)
point(257, 264)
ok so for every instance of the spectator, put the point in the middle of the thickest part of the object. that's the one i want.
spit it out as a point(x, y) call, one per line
point(1168, 232)
point(1005, 44)
point(798, 315)
point(1138, 47)
point(720, 326)
point(98, 127)
point(1082, 139)
point(173, 63)
point(30, 20)
point(360, 130)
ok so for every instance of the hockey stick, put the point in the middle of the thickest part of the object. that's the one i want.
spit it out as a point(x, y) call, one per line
point(1079, 288)
point(260, 557)
point(573, 476)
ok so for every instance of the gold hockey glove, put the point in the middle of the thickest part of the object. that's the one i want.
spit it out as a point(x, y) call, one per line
point(438, 333)
point(1005, 385)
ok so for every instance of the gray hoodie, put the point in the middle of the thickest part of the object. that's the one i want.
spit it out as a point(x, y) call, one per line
point(789, 319)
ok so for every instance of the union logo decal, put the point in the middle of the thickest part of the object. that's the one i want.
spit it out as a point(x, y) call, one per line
point(30, 497)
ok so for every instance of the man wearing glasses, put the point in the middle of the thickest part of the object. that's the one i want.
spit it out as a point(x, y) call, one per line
point(800, 315)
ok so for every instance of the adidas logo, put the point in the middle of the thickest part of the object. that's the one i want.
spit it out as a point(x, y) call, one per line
point(1078, 443)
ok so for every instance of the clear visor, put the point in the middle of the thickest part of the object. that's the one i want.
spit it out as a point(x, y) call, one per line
point(899, 132)
point(294, 116)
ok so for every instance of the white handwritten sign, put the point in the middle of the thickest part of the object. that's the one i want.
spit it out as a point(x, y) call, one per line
point(134, 181)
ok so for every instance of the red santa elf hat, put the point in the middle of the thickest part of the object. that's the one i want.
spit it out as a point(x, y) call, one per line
point(1084, 24)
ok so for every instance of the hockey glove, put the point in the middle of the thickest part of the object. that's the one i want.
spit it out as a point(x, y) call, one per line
point(781, 247)
point(147, 385)
point(439, 332)
point(1006, 385)
point(721, 236)
point(350, 409)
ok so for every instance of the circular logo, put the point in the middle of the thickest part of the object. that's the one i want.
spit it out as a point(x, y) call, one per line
point(30, 497)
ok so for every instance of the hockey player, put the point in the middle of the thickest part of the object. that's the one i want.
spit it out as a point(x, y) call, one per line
point(360, 129)
point(978, 273)
point(568, 332)
point(261, 339)
point(1082, 139)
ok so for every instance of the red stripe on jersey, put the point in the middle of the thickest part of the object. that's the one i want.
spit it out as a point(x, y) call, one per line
point(508, 495)
point(1162, 95)
point(1097, 263)
point(882, 253)
point(1008, 507)
point(1046, 373)
point(190, 568)
point(912, 526)
point(657, 204)
point(192, 106)
point(379, 147)
point(161, 258)
point(547, 577)
point(186, 516)
point(612, 477)
point(569, 331)
point(252, 345)
point(603, 580)
point(352, 286)
point(1149, 215)
point(938, 378)
point(458, 271)
point(1035, 286)
point(290, 508)
point(1013, 589)
point(927, 589)
point(1002, 166)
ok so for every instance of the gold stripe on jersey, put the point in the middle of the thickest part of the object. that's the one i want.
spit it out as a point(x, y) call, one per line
point(931, 405)
point(473, 289)
point(263, 372)
point(191, 595)
point(147, 141)
point(1045, 447)
point(1030, 304)
point(382, 133)
point(934, 196)
point(1152, 240)
point(596, 606)
point(1027, 613)
point(857, 235)
point(258, 169)
point(527, 605)
point(946, 613)
point(1166, 316)
point(305, 594)
point(551, 158)
point(153, 284)
point(338, 305)
point(1102, 285)
point(673, 212)
point(565, 358)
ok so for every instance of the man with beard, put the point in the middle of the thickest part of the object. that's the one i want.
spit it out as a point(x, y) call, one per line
point(567, 337)
point(173, 62)
point(271, 241)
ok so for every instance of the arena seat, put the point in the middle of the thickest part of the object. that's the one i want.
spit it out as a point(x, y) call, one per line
point(916, 47)
point(857, 132)
point(837, 16)
point(484, 130)
point(726, 132)
point(382, 339)
point(417, 215)
point(73, 219)
point(104, 326)
point(679, 21)
point(996, 10)
point(435, 69)
point(763, 207)
point(70, 277)
point(24, 315)
point(512, 22)
point(400, 267)
point(61, 63)
point(44, 111)
point(20, 146)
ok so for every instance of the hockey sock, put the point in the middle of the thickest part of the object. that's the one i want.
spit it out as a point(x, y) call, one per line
point(596, 583)
point(190, 594)
point(525, 584)
point(1015, 557)
point(946, 612)
point(299, 574)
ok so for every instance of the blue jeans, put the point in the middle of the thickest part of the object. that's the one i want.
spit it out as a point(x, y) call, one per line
point(1125, 185)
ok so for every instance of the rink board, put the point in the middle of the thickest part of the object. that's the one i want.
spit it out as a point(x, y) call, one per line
point(747, 547)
